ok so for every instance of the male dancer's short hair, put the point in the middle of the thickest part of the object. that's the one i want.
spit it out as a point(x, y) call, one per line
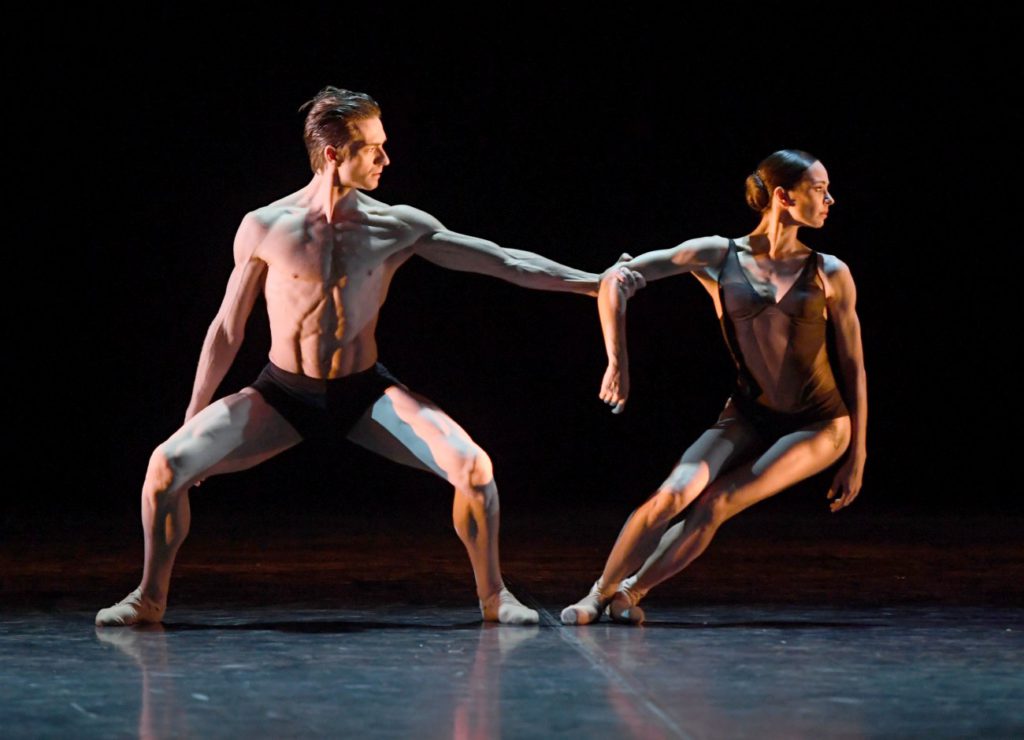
point(332, 111)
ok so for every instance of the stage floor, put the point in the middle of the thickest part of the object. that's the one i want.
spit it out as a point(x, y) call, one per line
point(319, 634)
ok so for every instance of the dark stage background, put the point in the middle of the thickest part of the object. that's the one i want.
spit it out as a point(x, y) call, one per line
point(572, 137)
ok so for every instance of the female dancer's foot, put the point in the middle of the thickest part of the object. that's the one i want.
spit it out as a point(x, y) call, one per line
point(588, 609)
point(623, 606)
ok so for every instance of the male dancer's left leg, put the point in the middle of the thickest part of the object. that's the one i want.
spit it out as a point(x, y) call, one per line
point(412, 430)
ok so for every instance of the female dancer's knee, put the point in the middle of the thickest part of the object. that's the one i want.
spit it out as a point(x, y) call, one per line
point(679, 489)
point(711, 510)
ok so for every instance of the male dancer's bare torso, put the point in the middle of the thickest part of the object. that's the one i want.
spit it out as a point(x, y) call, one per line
point(325, 282)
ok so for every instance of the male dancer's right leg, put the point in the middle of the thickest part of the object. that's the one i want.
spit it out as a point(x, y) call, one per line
point(234, 433)
point(715, 449)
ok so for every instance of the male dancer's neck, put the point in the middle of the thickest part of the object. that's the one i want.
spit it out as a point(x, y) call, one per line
point(329, 199)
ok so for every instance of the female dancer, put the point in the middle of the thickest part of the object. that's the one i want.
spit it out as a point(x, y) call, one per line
point(785, 420)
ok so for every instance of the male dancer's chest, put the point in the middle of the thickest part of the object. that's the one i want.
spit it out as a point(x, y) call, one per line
point(332, 255)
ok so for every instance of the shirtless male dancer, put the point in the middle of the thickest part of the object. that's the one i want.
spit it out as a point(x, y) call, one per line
point(324, 258)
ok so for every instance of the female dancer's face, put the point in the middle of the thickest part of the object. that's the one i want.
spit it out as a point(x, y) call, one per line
point(808, 203)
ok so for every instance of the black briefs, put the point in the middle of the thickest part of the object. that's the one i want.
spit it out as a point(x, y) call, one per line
point(770, 424)
point(318, 408)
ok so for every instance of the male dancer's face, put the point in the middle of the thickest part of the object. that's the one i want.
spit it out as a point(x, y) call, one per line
point(365, 159)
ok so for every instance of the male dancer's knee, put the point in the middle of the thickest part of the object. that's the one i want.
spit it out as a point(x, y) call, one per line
point(682, 486)
point(472, 469)
point(161, 477)
point(473, 474)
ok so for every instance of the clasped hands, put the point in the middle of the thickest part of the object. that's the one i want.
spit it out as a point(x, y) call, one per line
point(630, 280)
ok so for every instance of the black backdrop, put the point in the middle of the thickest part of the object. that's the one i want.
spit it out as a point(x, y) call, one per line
point(571, 136)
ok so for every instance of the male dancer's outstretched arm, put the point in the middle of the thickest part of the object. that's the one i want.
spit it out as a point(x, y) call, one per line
point(526, 269)
point(471, 254)
point(466, 253)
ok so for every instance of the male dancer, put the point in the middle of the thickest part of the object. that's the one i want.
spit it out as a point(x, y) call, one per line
point(324, 257)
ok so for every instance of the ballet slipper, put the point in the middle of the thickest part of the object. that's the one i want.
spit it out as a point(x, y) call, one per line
point(623, 605)
point(505, 608)
point(586, 610)
point(132, 609)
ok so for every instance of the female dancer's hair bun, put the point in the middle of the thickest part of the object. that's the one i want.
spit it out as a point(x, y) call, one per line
point(758, 196)
point(785, 168)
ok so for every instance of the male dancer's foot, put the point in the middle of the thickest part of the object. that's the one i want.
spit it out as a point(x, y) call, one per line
point(132, 609)
point(588, 609)
point(505, 608)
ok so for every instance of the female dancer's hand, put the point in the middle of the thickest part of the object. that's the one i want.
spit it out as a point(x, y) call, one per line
point(629, 281)
point(615, 387)
point(846, 484)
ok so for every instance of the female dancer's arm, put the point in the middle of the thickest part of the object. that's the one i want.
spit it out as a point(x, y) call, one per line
point(611, 307)
point(693, 254)
point(842, 308)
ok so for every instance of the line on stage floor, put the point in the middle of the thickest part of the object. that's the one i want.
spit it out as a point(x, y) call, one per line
point(602, 663)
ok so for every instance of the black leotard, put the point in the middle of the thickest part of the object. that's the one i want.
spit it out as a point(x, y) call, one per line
point(784, 378)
